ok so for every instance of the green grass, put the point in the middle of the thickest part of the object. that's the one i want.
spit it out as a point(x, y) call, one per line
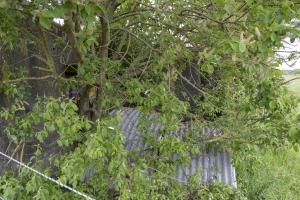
point(293, 86)
point(269, 174)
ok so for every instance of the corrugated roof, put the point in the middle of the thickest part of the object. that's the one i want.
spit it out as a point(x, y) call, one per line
point(216, 165)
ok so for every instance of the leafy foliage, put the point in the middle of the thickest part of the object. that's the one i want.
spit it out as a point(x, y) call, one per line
point(136, 53)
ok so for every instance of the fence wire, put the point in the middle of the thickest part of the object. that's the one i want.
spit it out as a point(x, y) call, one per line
point(47, 178)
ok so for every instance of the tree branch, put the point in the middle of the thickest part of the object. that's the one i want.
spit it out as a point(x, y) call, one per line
point(27, 78)
point(286, 82)
point(45, 48)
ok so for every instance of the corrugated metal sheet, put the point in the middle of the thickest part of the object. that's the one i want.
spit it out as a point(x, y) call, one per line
point(214, 164)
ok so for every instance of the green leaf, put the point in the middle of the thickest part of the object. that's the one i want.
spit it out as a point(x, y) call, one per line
point(69, 5)
point(277, 73)
point(89, 9)
point(272, 105)
point(249, 2)
point(242, 47)
point(51, 128)
point(228, 8)
point(3, 3)
point(208, 68)
point(221, 2)
point(273, 37)
point(45, 22)
point(293, 133)
point(296, 147)
point(54, 13)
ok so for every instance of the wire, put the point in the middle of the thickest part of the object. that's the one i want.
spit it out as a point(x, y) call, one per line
point(47, 177)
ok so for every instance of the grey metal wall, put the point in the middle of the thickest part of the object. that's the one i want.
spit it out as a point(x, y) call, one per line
point(214, 164)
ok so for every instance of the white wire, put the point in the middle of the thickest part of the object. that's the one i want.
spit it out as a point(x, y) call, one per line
point(47, 177)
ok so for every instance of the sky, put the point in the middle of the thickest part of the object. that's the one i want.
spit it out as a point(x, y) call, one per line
point(290, 47)
point(291, 65)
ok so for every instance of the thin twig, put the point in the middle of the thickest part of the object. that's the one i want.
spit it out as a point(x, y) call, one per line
point(137, 37)
point(191, 84)
point(286, 82)
point(27, 78)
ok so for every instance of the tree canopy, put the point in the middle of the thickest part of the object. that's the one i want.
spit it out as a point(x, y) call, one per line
point(209, 62)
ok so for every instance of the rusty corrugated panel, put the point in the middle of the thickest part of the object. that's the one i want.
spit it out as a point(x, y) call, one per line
point(214, 164)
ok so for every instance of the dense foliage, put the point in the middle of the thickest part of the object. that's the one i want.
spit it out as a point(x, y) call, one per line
point(266, 174)
point(138, 53)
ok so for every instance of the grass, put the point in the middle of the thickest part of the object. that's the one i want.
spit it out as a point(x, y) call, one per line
point(269, 174)
point(293, 86)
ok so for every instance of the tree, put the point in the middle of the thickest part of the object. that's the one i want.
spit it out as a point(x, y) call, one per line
point(208, 62)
